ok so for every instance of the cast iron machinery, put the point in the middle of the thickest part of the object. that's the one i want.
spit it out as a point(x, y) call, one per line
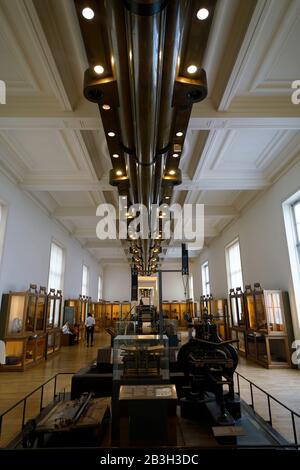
point(209, 364)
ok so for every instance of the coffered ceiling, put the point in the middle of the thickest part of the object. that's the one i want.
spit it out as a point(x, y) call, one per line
point(240, 139)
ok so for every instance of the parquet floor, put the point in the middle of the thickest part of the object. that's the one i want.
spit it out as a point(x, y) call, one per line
point(283, 384)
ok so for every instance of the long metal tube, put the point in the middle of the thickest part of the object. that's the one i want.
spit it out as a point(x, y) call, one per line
point(174, 25)
point(145, 35)
point(117, 29)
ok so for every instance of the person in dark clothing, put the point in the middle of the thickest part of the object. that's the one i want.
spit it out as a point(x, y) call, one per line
point(89, 326)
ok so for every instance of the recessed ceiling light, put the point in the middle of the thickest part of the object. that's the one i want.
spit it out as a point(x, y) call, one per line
point(202, 14)
point(119, 173)
point(175, 155)
point(172, 172)
point(106, 107)
point(111, 134)
point(98, 69)
point(167, 197)
point(192, 69)
point(179, 134)
point(116, 155)
point(88, 13)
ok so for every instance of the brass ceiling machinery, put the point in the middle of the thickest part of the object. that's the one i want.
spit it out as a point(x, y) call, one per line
point(145, 73)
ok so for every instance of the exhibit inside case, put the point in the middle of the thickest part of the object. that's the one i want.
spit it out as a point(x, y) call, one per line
point(141, 357)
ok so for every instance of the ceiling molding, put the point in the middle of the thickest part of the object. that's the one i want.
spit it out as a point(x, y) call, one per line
point(218, 182)
point(65, 183)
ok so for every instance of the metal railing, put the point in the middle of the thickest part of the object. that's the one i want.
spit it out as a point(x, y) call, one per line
point(24, 400)
point(270, 399)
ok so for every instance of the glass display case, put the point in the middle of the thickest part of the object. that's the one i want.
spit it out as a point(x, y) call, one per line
point(31, 309)
point(206, 302)
point(141, 357)
point(116, 310)
point(15, 353)
point(256, 312)
point(15, 305)
point(166, 306)
point(108, 309)
point(57, 309)
point(125, 309)
point(27, 321)
point(277, 311)
point(219, 309)
point(237, 307)
point(175, 310)
point(182, 321)
point(241, 336)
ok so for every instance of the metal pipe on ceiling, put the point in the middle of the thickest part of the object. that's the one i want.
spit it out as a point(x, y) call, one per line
point(145, 23)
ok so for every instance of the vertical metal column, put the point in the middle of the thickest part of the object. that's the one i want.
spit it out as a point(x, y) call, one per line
point(161, 317)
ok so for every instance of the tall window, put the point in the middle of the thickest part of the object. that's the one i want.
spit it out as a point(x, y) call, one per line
point(205, 279)
point(56, 269)
point(99, 287)
point(233, 265)
point(291, 213)
point(85, 280)
point(296, 211)
point(1, 229)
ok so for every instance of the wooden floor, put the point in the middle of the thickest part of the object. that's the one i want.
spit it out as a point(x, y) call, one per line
point(283, 384)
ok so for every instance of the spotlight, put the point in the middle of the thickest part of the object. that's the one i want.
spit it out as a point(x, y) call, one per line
point(202, 14)
point(88, 13)
point(98, 69)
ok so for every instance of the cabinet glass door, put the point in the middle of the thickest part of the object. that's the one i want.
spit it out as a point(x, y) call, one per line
point(16, 315)
point(57, 313)
point(40, 313)
point(50, 312)
point(30, 315)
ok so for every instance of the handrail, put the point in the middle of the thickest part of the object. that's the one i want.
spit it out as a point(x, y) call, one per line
point(24, 399)
point(269, 398)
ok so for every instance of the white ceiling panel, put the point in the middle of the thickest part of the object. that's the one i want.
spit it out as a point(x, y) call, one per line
point(242, 148)
point(218, 197)
point(73, 198)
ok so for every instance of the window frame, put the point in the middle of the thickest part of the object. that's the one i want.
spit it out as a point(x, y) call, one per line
point(227, 262)
point(205, 279)
point(61, 246)
point(297, 235)
point(292, 241)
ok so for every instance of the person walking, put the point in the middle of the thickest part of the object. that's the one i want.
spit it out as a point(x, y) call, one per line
point(89, 326)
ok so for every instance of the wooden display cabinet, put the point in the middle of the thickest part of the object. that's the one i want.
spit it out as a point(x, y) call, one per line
point(269, 327)
point(182, 320)
point(23, 327)
point(96, 310)
point(175, 310)
point(238, 326)
point(53, 342)
point(166, 306)
point(206, 302)
point(191, 308)
point(116, 310)
point(74, 315)
point(108, 313)
point(219, 310)
point(125, 310)
point(53, 322)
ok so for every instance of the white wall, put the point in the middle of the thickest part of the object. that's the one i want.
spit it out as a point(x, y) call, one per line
point(172, 285)
point(263, 244)
point(117, 282)
point(26, 250)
